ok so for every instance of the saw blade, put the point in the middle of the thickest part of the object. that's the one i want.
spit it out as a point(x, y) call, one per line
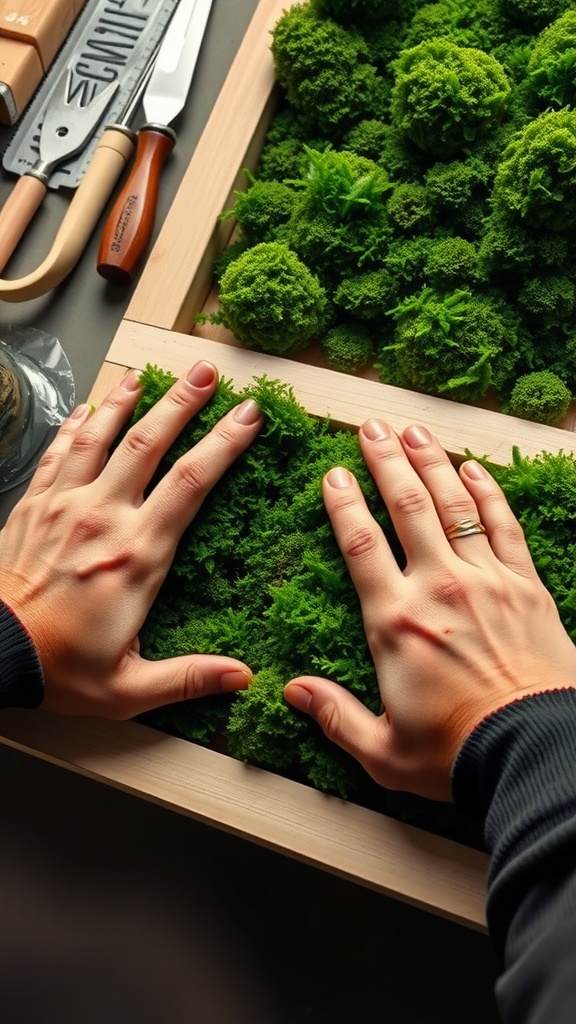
point(111, 41)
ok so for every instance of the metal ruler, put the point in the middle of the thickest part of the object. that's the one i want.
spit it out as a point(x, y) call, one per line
point(111, 41)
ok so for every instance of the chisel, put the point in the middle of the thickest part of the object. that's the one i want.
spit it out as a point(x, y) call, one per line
point(129, 226)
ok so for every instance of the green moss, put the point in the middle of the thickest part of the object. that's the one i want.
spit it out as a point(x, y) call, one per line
point(459, 173)
point(445, 96)
point(325, 71)
point(541, 396)
point(259, 576)
point(348, 347)
point(270, 300)
point(448, 342)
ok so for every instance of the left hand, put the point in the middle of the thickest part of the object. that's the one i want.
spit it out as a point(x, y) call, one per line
point(465, 629)
point(83, 554)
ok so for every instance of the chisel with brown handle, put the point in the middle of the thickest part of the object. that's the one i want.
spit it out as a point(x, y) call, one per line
point(130, 223)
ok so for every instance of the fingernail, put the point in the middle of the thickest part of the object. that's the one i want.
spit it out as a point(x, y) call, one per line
point(201, 375)
point(417, 437)
point(131, 381)
point(247, 413)
point(237, 679)
point(375, 430)
point(474, 470)
point(298, 697)
point(80, 412)
point(339, 477)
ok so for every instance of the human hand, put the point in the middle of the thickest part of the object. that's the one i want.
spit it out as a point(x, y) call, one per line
point(83, 554)
point(466, 628)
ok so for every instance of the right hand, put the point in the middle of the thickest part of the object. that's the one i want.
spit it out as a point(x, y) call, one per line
point(466, 628)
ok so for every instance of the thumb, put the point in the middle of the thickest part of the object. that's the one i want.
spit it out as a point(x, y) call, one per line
point(343, 719)
point(150, 684)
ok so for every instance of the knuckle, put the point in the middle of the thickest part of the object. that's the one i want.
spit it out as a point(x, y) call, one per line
point(459, 505)
point(409, 502)
point(511, 533)
point(385, 453)
point(84, 443)
point(343, 503)
point(90, 525)
point(180, 396)
point(141, 440)
point(450, 590)
point(225, 435)
point(192, 475)
point(330, 720)
point(194, 682)
point(360, 542)
point(49, 463)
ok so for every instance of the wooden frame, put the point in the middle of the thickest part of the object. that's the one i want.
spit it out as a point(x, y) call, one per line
point(398, 860)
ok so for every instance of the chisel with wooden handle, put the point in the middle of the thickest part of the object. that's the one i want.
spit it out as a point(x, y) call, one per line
point(130, 223)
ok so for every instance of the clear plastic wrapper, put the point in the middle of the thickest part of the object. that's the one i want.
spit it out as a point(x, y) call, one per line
point(37, 393)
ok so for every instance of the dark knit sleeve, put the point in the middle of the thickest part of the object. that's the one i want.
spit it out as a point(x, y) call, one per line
point(518, 772)
point(21, 677)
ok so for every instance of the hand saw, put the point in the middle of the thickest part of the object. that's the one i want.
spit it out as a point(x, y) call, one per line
point(98, 69)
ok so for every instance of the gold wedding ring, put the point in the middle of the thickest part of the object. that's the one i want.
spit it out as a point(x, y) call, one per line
point(464, 528)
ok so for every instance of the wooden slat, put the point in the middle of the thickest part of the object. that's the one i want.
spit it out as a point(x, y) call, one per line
point(109, 376)
point(346, 399)
point(397, 860)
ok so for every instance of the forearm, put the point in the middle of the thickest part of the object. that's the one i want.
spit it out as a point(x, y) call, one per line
point(518, 771)
point(21, 678)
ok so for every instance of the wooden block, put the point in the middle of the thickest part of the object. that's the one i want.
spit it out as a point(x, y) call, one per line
point(43, 24)
point(20, 73)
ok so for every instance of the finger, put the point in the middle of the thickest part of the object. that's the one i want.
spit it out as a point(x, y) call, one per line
point(345, 721)
point(175, 500)
point(150, 684)
point(406, 497)
point(452, 500)
point(51, 462)
point(373, 569)
point(88, 452)
point(136, 459)
point(506, 536)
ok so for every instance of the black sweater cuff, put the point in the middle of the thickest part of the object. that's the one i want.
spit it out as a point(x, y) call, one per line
point(517, 771)
point(21, 676)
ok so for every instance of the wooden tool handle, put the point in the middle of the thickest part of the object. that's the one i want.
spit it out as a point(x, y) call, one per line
point(129, 226)
point(17, 212)
point(110, 158)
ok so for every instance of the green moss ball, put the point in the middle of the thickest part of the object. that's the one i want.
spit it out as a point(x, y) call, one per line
point(541, 396)
point(270, 300)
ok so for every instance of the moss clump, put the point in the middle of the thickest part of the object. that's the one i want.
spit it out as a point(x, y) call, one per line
point(445, 95)
point(540, 396)
point(348, 347)
point(270, 300)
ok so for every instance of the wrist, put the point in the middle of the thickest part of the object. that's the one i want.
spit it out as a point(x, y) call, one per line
point(526, 730)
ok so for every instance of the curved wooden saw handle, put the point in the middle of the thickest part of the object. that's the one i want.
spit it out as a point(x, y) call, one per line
point(110, 158)
point(17, 212)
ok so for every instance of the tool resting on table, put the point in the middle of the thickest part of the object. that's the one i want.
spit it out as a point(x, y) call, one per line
point(130, 223)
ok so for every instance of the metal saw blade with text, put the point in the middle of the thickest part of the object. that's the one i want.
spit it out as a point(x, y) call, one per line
point(111, 41)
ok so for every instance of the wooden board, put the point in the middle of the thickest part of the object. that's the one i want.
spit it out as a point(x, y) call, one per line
point(335, 835)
